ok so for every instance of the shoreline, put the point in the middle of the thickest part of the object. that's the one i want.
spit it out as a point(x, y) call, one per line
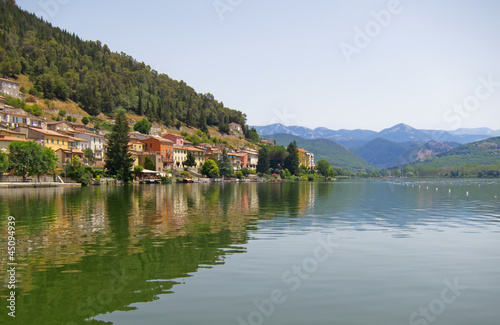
point(35, 185)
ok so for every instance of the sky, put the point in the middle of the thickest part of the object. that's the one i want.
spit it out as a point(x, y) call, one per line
point(324, 63)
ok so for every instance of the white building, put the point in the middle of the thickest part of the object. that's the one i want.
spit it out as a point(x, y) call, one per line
point(9, 87)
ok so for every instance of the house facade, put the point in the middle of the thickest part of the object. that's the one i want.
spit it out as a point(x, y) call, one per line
point(9, 87)
point(94, 141)
point(176, 139)
point(306, 158)
point(159, 146)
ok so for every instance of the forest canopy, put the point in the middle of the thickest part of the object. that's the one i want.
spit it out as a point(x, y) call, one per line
point(63, 66)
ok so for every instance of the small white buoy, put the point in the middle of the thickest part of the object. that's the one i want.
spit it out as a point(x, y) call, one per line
point(449, 190)
point(467, 193)
point(437, 189)
point(427, 187)
point(419, 186)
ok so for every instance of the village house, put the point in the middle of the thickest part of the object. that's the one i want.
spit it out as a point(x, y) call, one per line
point(67, 154)
point(136, 148)
point(157, 159)
point(59, 126)
point(306, 158)
point(46, 138)
point(238, 160)
point(94, 141)
point(6, 140)
point(12, 134)
point(268, 142)
point(160, 146)
point(176, 139)
point(199, 155)
point(252, 157)
point(9, 87)
point(235, 127)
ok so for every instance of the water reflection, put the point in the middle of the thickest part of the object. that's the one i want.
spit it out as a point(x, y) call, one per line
point(90, 251)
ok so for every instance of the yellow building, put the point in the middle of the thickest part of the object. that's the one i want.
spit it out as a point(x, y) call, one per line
point(306, 158)
point(47, 138)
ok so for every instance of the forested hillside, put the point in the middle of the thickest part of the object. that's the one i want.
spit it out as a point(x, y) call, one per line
point(329, 150)
point(486, 152)
point(63, 66)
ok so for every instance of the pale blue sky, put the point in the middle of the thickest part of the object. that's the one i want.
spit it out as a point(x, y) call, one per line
point(282, 61)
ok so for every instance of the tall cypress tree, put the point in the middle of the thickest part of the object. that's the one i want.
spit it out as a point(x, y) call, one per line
point(119, 160)
point(225, 166)
point(292, 161)
point(263, 162)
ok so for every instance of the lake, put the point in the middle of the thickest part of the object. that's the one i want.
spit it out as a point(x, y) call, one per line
point(350, 252)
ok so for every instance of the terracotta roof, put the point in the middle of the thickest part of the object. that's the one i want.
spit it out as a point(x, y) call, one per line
point(78, 139)
point(12, 132)
point(194, 149)
point(49, 132)
point(12, 81)
point(7, 138)
point(89, 133)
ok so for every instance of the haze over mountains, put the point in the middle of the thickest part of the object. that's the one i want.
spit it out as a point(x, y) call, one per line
point(398, 133)
point(398, 145)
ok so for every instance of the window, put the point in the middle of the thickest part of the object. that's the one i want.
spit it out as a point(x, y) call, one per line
point(57, 141)
point(63, 142)
point(52, 141)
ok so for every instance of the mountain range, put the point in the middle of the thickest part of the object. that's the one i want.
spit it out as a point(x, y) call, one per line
point(398, 133)
point(357, 149)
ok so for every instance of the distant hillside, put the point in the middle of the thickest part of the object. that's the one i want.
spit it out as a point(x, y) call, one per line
point(434, 148)
point(383, 153)
point(485, 152)
point(62, 66)
point(336, 154)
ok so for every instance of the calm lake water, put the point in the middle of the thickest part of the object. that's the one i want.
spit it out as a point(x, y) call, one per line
point(355, 252)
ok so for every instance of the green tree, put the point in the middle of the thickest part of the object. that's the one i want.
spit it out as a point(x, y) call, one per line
point(77, 172)
point(277, 157)
point(118, 159)
point(143, 126)
point(88, 155)
point(210, 169)
point(149, 163)
point(292, 161)
point(225, 166)
point(190, 160)
point(323, 167)
point(263, 162)
point(50, 161)
point(138, 170)
point(4, 162)
point(31, 158)
point(85, 120)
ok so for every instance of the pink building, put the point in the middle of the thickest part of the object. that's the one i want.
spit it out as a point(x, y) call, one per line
point(176, 139)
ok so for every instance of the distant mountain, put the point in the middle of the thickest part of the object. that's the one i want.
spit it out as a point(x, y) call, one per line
point(336, 154)
point(485, 152)
point(399, 133)
point(404, 133)
point(383, 153)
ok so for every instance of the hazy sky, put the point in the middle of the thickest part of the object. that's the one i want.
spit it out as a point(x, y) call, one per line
point(338, 64)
